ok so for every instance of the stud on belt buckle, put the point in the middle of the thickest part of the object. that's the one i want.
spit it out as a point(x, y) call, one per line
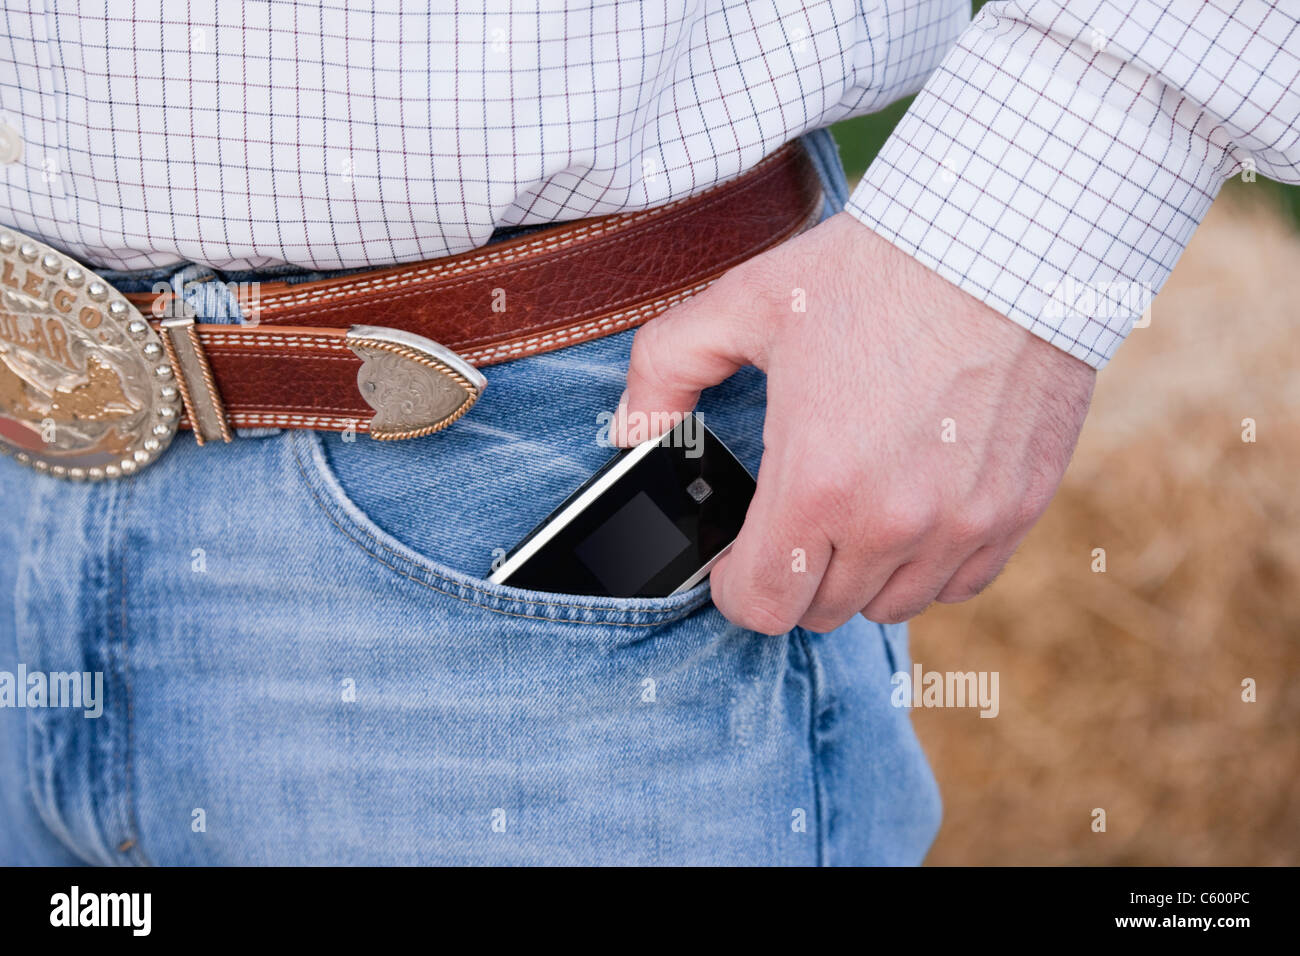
point(86, 388)
point(89, 390)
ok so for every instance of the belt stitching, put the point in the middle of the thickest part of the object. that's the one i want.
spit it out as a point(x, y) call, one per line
point(627, 237)
point(547, 244)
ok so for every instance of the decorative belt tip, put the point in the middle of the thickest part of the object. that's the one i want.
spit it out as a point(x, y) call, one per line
point(416, 386)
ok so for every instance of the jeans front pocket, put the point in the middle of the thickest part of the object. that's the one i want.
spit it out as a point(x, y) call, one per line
point(310, 457)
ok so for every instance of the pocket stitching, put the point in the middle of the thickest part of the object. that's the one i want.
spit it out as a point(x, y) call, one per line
point(814, 744)
point(433, 572)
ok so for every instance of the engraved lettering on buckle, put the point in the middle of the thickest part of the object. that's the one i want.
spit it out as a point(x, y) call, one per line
point(86, 390)
point(416, 386)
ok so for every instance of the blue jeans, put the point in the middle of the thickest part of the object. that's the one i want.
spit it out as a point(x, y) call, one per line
point(303, 663)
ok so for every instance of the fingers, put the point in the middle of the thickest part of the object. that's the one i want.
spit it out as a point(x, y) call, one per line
point(771, 574)
point(977, 573)
point(677, 355)
point(916, 585)
point(909, 591)
point(786, 570)
point(897, 589)
point(852, 578)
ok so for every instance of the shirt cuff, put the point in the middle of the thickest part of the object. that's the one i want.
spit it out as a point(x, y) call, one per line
point(1038, 197)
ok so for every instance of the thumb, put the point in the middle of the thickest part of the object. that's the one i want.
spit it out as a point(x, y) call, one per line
point(675, 356)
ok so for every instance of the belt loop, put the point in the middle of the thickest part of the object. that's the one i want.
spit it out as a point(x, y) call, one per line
point(203, 403)
point(200, 291)
point(208, 295)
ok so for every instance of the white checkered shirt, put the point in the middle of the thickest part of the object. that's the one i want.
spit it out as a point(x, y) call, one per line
point(1055, 162)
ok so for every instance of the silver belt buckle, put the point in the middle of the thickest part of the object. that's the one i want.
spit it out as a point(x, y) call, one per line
point(87, 390)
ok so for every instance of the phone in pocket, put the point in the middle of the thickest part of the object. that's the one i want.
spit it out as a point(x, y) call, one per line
point(651, 522)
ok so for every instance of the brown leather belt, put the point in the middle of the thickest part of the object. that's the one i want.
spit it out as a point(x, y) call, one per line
point(292, 368)
point(390, 351)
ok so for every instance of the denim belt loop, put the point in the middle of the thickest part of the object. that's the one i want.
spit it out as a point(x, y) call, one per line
point(208, 295)
point(214, 301)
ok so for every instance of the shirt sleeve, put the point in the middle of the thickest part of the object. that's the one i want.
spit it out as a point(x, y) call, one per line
point(1058, 161)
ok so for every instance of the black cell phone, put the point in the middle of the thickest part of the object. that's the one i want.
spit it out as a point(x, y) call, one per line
point(650, 522)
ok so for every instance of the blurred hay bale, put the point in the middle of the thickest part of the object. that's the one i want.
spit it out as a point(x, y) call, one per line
point(1122, 690)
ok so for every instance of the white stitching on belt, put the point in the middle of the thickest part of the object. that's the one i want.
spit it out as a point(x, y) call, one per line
point(611, 323)
point(264, 419)
point(275, 340)
point(281, 340)
point(608, 324)
point(286, 300)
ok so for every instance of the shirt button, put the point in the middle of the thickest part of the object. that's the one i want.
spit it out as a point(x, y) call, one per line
point(11, 144)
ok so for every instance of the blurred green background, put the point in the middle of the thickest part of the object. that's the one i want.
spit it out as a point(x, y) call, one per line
point(861, 138)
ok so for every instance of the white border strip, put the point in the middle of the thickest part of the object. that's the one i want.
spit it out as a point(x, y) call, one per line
point(580, 504)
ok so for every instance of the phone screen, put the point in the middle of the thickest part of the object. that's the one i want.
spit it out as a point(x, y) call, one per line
point(656, 525)
point(625, 570)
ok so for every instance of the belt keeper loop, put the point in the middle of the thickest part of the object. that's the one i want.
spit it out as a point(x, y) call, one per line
point(198, 389)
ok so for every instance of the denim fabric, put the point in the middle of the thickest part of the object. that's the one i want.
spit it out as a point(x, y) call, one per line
point(303, 663)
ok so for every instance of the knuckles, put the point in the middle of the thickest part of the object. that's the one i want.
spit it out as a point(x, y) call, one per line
point(973, 524)
point(827, 503)
point(1032, 503)
point(901, 523)
point(966, 526)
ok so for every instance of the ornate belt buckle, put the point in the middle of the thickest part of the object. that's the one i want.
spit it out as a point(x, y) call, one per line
point(87, 390)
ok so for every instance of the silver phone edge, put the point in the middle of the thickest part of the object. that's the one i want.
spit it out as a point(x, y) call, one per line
point(562, 520)
point(701, 574)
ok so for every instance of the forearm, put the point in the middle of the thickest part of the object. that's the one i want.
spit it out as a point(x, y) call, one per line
point(1057, 163)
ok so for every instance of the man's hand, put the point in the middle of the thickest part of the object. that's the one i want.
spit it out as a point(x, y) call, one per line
point(913, 434)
